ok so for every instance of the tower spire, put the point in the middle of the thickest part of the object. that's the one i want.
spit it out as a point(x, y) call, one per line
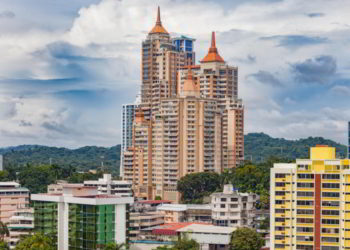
point(213, 54)
point(213, 42)
point(159, 22)
point(158, 28)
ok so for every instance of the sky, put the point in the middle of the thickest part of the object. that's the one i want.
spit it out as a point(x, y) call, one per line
point(67, 66)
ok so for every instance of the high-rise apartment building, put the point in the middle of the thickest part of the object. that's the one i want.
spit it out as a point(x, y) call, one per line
point(310, 202)
point(348, 139)
point(190, 118)
point(127, 119)
point(80, 218)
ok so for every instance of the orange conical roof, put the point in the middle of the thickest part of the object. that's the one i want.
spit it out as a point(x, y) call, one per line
point(213, 54)
point(158, 28)
point(190, 86)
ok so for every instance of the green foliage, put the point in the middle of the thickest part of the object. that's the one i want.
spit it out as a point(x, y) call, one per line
point(37, 178)
point(158, 198)
point(246, 239)
point(4, 175)
point(265, 224)
point(4, 231)
point(4, 245)
point(82, 159)
point(36, 242)
point(193, 187)
point(114, 246)
point(181, 244)
point(258, 147)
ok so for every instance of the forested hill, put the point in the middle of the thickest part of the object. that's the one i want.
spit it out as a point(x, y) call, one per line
point(82, 159)
point(260, 146)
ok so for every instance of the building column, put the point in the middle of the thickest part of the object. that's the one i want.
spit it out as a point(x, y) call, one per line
point(120, 223)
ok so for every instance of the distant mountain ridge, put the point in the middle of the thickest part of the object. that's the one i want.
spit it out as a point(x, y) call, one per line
point(84, 158)
point(258, 147)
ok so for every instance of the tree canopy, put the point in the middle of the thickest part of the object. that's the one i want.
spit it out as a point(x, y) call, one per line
point(182, 244)
point(246, 239)
point(194, 187)
point(36, 242)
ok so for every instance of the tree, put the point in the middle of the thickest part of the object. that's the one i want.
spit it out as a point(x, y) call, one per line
point(4, 245)
point(182, 244)
point(193, 187)
point(115, 246)
point(158, 198)
point(36, 242)
point(186, 244)
point(246, 239)
point(4, 231)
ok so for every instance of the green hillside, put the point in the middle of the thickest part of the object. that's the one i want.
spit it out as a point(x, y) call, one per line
point(259, 147)
point(82, 159)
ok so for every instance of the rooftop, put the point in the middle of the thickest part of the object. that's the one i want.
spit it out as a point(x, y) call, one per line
point(183, 207)
point(158, 28)
point(154, 201)
point(213, 54)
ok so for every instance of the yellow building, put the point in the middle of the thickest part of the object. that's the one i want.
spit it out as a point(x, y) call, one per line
point(310, 202)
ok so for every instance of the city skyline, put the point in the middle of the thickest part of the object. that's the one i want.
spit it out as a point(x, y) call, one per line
point(63, 80)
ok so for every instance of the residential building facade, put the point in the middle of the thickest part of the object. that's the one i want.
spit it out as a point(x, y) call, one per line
point(106, 185)
point(310, 202)
point(80, 218)
point(21, 223)
point(13, 197)
point(190, 118)
point(127, 119)
point(233, 209)
point(174, 213)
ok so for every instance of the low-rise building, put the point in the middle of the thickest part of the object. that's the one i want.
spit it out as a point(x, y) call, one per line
point(148, 205)
point(141, 220)
point(12, 198)
point(106, 185)
point(208, 236)
point(174, 213)
point(233, 209)
point(21, 223)
point(80, 218)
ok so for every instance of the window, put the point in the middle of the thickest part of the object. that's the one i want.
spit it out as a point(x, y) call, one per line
point(305, 203)
point(305, 229)
point(222, 206)
point(305, 194)
point(329, 239)
point(330, 212)
point(331, 176)
point(330, 230)
point(330, 203)
point(305, 211)
point(280, 175)
point(305, 238)
point(223, 199)
point(305, 220)
point(305, 176)
point(330, 222)
point(305, 185)
point(330, 185)
point(330, 194)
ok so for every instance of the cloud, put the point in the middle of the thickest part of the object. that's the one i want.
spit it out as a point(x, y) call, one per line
point(341, 90)
point(295, 41)
point(7, 14)
point(319, 69)
point(56, 127)
point(24, 123)
point(266, 78)
point(315, 14)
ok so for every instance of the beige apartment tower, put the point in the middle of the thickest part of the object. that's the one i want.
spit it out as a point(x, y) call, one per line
point(190, 119)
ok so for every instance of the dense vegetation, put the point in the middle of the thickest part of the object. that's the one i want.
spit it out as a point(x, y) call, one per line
point(246, 239)
point(182, 244)
point(258, 147)
point(82, 159)
point(36, 242)
point(249, 177)
point(37, 178)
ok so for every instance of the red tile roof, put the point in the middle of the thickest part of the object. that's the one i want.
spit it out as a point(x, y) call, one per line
point(154, 201)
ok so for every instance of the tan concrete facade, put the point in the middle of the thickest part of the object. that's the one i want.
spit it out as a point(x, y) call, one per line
point(190, 119)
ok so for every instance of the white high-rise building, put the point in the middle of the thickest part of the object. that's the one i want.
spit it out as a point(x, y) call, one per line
point(128, 114)
point(1, 163)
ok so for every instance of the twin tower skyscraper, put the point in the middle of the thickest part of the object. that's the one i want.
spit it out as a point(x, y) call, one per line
point(190, 118)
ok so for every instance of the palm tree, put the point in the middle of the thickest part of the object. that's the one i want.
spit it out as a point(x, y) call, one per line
point(4, 231)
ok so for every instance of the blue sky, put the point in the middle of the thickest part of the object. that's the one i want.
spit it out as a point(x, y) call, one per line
point(66, 67)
